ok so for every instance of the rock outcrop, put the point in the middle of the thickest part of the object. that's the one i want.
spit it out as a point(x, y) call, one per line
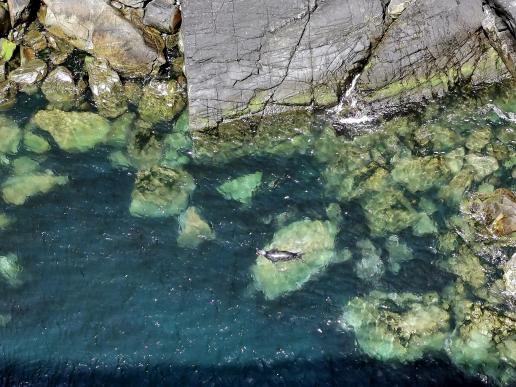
point(251, 57)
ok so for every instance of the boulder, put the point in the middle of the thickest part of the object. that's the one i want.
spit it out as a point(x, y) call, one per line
point(106, 88)
point(19, 10)
point(242, 188)
point(59, 88)
point(10, 136)
point(161, 101)
point(17, 189)
point(99, 29)
point(163, 15)
point(193, 229)
point(29, 75)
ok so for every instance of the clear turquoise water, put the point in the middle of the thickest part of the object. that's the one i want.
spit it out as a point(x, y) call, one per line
point(107, 297)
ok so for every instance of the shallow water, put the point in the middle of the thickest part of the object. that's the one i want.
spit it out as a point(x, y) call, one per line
point(107, 297)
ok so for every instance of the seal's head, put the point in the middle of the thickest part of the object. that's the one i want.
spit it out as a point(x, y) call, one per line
point(263, 253)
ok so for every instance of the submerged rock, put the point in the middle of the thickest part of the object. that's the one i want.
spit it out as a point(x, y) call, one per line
point(10, 270)
point(106, 88)
point(398, 252)
point(161, 192)
point(34, 143)
point(392, 326)
point(314, 239)
point(73, 131)
point(484, 341)
point(161, 101)
point(10, 136)
point(419, 174)
point(17, 189)
point(483, 165)
point(370, 268)
point(5, 221)
point(193, 229)
point(242, 188)
point(59, 88)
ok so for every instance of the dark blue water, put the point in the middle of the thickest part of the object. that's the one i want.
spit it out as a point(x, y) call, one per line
point(109, 298)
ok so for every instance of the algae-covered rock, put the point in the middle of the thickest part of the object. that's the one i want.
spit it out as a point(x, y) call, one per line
point(59, 88)
point(10, 135)
point(466, 265)
point(424, 226)
point(483, 165)
point(24, 166)
point(193, 229)
point(453, 192)
point(478, 139)
point(10, 270)
point(370, 267)
point(161, 101)
point(509, 275)
point(398, 252)
point(419, 174)
point(161, 192)
point(392, 326)
point(314, 239)
point(34, 143)
point(106, 88)
point(177, 145)
point(73, 131)
point(242, 188)
point(17, 189)
point(484, 341)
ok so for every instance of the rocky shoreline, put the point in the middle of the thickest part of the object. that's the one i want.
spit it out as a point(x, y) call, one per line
point(119, 53)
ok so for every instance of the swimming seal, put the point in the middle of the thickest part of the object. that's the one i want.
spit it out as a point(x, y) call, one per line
point(276, 255)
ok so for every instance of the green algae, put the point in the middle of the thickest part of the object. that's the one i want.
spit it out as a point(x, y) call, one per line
point(242, 188)
point(314, 239)
point(73, 131)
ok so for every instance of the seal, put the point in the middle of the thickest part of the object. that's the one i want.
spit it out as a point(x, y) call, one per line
point(276, 255)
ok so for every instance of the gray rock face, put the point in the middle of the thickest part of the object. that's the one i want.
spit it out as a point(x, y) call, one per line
point(97, 28)
point(429, 39)
point(508, 9)
point(132, 3)
point(246, 57)
point(251, 56)
point(18, 10)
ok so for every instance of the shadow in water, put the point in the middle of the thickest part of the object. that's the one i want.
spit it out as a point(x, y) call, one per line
point(329, 372)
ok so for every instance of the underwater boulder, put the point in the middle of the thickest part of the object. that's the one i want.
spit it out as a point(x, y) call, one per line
point(17, 189)
point(193, 229)
point(34, 143)
point(177, 145)
point(10, 270)
point(370, 267)
point(106, 88)
point(509, 276)
point(5, 221)
point(466, 265)
point(144, 145)
point(397, 326)
point(59, 88)
point(161, 192)
point(73, 131)
point(10, 136)
point(483, 165)
point(484, 341)
point(454, 191)
point(161, 101)
point(478, 139)
point(242, 188)
point(419, 174)
point(314, 239)
point(398, 252)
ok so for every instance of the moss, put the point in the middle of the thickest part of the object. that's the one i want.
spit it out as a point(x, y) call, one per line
point(73, 131)
point(6, 50)
point(314, 239)
point(242, 188)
